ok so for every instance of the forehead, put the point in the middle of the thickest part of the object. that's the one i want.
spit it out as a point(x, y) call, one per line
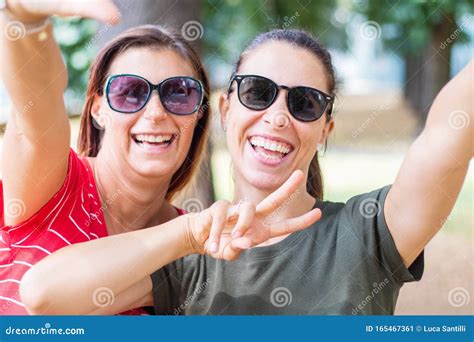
point(286, 64)
point(151, 63)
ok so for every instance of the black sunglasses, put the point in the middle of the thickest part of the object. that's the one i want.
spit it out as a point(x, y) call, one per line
point(304, 103)
point(126, 93)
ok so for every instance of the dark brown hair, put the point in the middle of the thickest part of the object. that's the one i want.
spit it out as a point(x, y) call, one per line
point(304, 40)
point(151, 36)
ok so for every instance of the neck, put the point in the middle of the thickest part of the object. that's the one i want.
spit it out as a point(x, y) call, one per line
point(130, 201)
point(298, 203)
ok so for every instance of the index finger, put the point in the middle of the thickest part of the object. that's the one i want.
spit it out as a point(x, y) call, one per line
point(273, 201)
point(292, 225)
point(103, 10)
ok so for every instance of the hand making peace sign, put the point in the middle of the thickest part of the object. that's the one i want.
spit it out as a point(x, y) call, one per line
point(224, 230)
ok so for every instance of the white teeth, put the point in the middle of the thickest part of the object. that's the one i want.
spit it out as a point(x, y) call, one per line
point(267, 156)
point(270, 145)
point(153, 138)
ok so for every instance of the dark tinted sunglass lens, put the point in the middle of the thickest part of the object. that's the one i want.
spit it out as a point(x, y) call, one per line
point(306, 104)
point(127, 93)
point(181, 95)
point(256, 92)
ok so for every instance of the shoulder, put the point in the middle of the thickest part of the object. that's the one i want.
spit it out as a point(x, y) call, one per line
point(366, 207)
point(358, 214)
point(75, 207)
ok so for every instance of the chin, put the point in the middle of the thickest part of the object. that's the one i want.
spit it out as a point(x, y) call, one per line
point(154, 169)
point(263, 180)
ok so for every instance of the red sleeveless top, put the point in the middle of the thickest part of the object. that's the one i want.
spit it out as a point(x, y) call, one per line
point(73, 215)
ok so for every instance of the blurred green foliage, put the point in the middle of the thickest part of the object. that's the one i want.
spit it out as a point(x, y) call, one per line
point(75, 37)
point(409, 25)
point(230, 24)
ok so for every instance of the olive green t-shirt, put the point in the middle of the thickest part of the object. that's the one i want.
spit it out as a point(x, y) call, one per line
point(344, 264)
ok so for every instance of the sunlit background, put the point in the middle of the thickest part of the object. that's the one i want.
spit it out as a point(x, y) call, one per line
point(391, 59)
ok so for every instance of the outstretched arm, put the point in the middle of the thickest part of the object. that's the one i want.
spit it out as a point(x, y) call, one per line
point(75, 278)
point(431, 176)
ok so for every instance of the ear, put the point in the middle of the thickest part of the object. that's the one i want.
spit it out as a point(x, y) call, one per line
point(328, 127)
point(224, 109)
point(96, 112)
point(200, 112)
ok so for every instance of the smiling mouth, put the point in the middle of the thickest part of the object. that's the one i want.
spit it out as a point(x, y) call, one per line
point(153, 140)
point(270, 149)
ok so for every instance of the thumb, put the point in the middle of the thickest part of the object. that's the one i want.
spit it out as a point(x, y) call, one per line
point(241, 243)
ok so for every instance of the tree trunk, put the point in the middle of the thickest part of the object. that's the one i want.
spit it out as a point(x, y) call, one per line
point(172, 13)
point(426, 73)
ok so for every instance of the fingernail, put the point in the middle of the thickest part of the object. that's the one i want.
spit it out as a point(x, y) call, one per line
point(214, 247)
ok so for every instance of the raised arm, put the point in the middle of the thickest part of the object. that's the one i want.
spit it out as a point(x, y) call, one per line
point(73, 279)
point(37, 137)
point(432, 173)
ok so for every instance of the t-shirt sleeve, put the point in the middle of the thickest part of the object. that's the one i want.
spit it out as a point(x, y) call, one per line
point(364, 215)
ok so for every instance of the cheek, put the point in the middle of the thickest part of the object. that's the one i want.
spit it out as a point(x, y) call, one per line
point(117, 126)
point(234, 135)
point(186, 128)
point(309, 135)
point(238, 123)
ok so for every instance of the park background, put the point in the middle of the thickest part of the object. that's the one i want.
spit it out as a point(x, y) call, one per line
point(391, 58)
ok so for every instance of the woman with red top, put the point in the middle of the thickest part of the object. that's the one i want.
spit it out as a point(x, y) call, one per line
point(135, 151)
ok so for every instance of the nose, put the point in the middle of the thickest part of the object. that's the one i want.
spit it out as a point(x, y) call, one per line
point(154, 110)
point(277, 115)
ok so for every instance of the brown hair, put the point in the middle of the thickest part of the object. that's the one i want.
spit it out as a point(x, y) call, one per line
point(152, 36)
point(301, 39)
